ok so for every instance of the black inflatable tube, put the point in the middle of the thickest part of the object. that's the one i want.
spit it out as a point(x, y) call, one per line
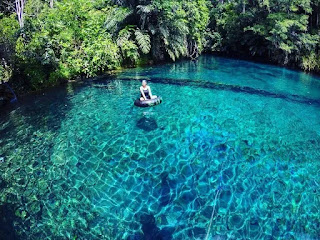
point(148, 103)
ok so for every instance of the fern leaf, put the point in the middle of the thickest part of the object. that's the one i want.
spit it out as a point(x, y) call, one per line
point(145, 9)
point(115, 18)
point(143, 40)
point(123, 36)
point(171, 55)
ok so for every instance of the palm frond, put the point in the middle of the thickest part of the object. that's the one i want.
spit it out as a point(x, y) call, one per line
point(164, 31)
point(171, 54)
point(123, 36)
point(143, 40)
point(145, 9)
point(115, 18)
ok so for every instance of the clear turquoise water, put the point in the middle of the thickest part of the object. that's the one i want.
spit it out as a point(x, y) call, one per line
point(234, 136)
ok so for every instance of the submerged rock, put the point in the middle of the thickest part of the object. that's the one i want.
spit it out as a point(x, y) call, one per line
point(147, 124)
point(2, 183)
point(165, 197)
point(150, 230)
point(7, 219)
point(34, 207)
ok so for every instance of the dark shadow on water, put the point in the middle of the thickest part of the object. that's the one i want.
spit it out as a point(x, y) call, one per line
point(233, 88)
point(147, 123)
point(148, 223)
point(165, 197)
point(2, 183)
point(45, 109)
point(151, 231)
point(7, 219)
point(39, 113)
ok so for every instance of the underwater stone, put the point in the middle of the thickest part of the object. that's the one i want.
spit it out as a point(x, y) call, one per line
point(34, 207)
point(21, 213)
point(147, 124)
point(2, 183)
point(140, 170)
point(165, 192)
point(73, 160)
point(73, 169)
point(221, 147)
point(160, 154)
point(10, 197)
point(8, 229)
point(235, 221)
point(187, 196)
point(137, 236)
point(198, 231)
point(43, 186)
point(135, 156)
point(207, 211)
point(225, 197)
point(58, 159)
point(153, 146)
point(173, 217)
point(151, 231)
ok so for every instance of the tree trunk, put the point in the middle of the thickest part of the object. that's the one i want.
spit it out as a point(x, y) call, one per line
point(317, 20)
point(19, 11)
point(51, 3)
point(193, 50)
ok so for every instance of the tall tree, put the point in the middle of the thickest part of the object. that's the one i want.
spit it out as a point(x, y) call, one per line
point(20, 11)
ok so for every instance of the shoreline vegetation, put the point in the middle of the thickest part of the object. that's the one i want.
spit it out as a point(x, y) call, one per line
point(47, 42)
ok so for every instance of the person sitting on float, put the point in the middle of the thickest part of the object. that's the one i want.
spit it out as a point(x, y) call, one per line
point(146, 91)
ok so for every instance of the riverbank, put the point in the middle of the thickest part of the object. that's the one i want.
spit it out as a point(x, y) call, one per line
point(263, 60)
point(21, 90)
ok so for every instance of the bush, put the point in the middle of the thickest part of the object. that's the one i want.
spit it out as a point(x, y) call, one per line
point(66, 42)
point(5, 72)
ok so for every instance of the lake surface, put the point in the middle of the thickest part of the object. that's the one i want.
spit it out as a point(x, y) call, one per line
point(234, 142)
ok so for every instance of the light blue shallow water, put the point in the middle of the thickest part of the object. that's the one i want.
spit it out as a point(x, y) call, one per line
point(239, 138)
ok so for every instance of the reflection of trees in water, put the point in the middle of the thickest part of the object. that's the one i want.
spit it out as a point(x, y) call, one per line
point(209, 63)
point(31, 119)
point(116, 86)
point(196, 65)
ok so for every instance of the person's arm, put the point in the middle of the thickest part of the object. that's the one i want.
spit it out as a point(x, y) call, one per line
point(142, 93)
point(150, 93)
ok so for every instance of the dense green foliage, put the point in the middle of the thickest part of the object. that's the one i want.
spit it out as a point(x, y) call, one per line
point(78, 38)
point(286, 31)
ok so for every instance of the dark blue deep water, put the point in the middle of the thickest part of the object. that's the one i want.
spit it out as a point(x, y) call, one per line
point(234, 143)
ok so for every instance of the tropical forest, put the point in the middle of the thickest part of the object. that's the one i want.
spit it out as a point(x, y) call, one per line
point(45, 42)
